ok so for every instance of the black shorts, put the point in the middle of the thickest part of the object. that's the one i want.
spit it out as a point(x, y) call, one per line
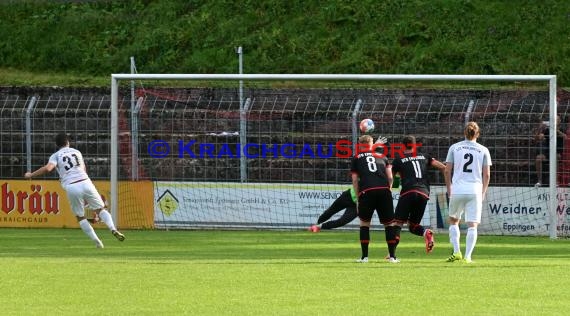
point(376, 200)
point(411, 207)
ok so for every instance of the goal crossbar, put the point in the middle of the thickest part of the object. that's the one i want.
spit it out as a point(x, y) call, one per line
point(356, 77)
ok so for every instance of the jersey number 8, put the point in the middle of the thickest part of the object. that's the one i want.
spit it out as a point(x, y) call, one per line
point(371, 164)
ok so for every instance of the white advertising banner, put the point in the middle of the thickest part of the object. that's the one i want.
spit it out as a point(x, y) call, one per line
point(257, 205)
point(506, 210)
point(522, 211)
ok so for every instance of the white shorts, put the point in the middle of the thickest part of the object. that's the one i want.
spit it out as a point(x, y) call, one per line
point(81, 192)
point(471, 204)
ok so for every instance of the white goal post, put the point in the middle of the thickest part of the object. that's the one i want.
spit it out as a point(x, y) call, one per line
point(550, 80)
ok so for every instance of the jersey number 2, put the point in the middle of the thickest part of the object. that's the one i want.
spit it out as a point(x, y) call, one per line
point(69, 161)
point(469, 158)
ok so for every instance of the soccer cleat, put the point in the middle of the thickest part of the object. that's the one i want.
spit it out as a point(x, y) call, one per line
point(118, 235)
point(455, 257)
point(467, 260)
point(428, 236)
point(393, 260)
point(99, 244)
point(362, 260)
point(314, 228)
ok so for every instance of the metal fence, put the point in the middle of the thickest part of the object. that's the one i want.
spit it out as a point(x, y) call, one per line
point(28, 128)
point(278, 116)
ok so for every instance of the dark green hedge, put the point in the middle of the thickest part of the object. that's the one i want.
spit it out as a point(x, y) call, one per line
point(365, 36)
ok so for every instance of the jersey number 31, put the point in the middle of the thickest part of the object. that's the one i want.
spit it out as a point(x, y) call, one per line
point(69, 161)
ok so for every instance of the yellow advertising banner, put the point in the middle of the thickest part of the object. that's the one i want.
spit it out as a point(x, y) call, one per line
point(36, 203)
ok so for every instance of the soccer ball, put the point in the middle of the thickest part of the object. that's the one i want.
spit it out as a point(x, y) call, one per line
point(366, 125)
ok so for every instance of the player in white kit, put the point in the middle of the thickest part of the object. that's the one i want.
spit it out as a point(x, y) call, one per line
point(79, 188)
point(471, 165)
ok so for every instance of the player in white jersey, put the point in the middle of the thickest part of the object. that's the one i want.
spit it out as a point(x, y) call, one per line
point(471, 165)
point(79, 188)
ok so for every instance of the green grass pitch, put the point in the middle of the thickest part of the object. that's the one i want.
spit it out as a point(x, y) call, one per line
point(59, 272)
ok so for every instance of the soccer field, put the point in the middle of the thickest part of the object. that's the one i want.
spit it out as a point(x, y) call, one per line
point(59, 272)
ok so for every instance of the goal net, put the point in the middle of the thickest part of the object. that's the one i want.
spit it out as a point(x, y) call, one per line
point(273, 151)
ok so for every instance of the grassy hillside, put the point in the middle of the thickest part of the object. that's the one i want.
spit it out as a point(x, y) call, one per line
point(88, 40)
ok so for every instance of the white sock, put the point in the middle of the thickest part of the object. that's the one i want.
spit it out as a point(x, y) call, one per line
point(107, 219)
point(454, 234)
point(470, 241)
point(88, 230)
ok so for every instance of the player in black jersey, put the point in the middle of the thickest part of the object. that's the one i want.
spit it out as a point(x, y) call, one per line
point(372, 180)
point(413, 170)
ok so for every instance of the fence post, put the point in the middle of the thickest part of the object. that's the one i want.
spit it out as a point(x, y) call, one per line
point(355, 124)
point(29, 110)
point(135, 139)
point(243, 140)
point(242, 119)
point(134, 124)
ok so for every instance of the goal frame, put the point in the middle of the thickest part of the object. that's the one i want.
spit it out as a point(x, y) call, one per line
point(550, 79)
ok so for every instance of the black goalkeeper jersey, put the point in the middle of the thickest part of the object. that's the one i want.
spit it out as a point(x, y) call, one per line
point(413, 172)
point(371, 171)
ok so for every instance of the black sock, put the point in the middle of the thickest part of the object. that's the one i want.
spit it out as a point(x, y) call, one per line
point(416, 229)
point(364, 240)
point(392, 239)
point(321, 219)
